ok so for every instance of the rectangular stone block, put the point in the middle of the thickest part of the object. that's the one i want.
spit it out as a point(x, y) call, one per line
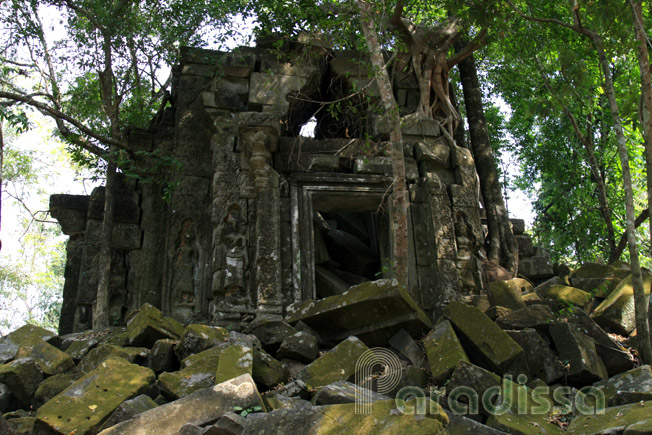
point(272, 89)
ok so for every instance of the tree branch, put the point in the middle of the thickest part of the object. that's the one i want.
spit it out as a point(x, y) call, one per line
point(637, 223)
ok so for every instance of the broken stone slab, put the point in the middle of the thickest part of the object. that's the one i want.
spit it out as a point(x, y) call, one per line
point(270, 332)
point(162, 358)
point(296, 388)
point(200, 408)
point(383, 418)
point(486, 344)
point(467, 375)
point(345, 392)
point(508, 293)
point(197, 338)
point(22, 376)
point(79, 348)
point(567, 296)
point(632, 386)
point(460, 425)
point(301, 346)
point(404, 344)
point(614, 356)
point(234, 361)
point(277, 401)
point(598, 279)
point(5, 428)
point(228, 424)
point(524, 424)
point(328, 283)
point(617, 419)
point(497, 311)
point(410, 377)
point(338, 364)
point(149, 325)
point(617, 312)
point(30, 331)
point(198, 373)
point(128, 409)
point(444, 351)
point(579, 352)
point(22, 425)
point(53, 385)
point(7, 399)
point(372, 311)
point(268, 371)
point(49, 359)
point(7, 350)
point(542, 363)
point(83, 406)
point(272, 89)
point(95, 356)
point(538, 317)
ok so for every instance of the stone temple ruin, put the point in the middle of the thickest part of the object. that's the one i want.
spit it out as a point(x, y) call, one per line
point(256, 217)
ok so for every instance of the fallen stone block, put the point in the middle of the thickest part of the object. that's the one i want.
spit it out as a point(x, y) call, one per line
point(617, 312)
point(597, 279)
point(372, 311)
point(161, 358)
point(486, 344)
point(267, 370)
point(83, 406)
point(53, 385)
point(200, 408)
point(617, 419)
point(49, 359)
point(524, 424)
point(460, 425)
point(467, 377)
point(128, 409)
point(497, 311)
point(345, 392)
point(99, 354)
point(508, 293)
point(577, 350)
point(301, 346)
point(79, 348)
point(632, 386)
point(542, 363)
point(149, 325)
point(383, 418)
point(404, 344)
point(228, 424)
point(7, 399)
point(197, 338)
point(538, 317)
point(198, 373)
point(234, 362)
point(338, 364)
point(270, 332)
point(22, 376)
point(444, 351)
point(567, 296)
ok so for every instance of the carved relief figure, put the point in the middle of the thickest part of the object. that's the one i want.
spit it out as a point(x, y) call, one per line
point(236, 260)
point(185, 279)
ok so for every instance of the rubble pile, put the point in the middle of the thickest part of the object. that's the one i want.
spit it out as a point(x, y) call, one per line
point(519, 359)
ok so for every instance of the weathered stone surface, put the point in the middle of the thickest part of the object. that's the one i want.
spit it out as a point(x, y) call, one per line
point(373, 311)
point(228, 424)
point(7, 399)
point(267, 370)
point(344, 392)
point(342, 419)
point(617, 311)
point(460, 425)
point(411, 377)
point(337, 364)
point(198, 372)
point(79, 348)
point(597, 279)
point(617, 419)
point(97, 355)
point(272, 90)
point(508, 293)
point(149, 325)
point(197, 338)
point(200, 408)
point(632, 386)
point(579, 351)
point(405, 345)
point(524, 424)
point(541, 361)
point(444, 351)
point(234, 361)
point(85, 405)
point(49, 359)
point(471, 376)
point(497, 311)
point(128, 409)
point(27, 332)
point(53, 385)
point(162, 358)
point(533, 316)
point(614, 356)
point(278, 401)
point(5, 428)
point(300, 346)
point(487, 345)
point(7, 350)
point(566, 296)
point(270, 332)
point(23, 377)
point(22, 425)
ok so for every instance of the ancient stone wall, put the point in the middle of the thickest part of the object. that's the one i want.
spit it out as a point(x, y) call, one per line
point(254, 217)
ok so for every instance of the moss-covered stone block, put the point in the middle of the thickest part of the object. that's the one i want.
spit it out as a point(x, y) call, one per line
point(579, 352)
point(373, 311)
point(536, 316)
point(617, 312)
point(632, 386)
point(82, 407)
point(96, 356)
point(338, 364)
point(567, 296)
point(597, 279)
point(53, 386)
point(197, 373)
point(49, 359)
point(267, 370)
point(486, 344)
point(508, 293)
point(29, 331)
point(617, 419)
point(234, 361)
point(22, 425)
point(444, 351)
point(79, 348)
point(197, 338)
point(524, 424)
point(23, 377)
point(149, 325)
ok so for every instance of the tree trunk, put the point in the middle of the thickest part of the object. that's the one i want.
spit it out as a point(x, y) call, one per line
point(646, 109)
point(2, 159)
point(503, 247)
point(642, 323)
point(399, 195)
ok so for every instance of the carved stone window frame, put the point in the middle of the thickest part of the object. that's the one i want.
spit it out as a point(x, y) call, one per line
point(329, 192)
